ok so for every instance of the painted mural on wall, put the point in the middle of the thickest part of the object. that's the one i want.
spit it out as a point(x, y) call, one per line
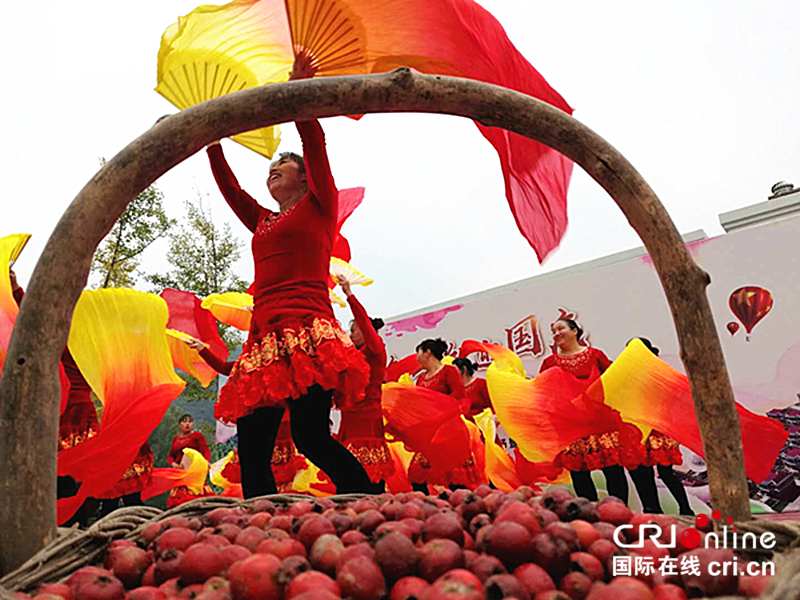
point(755, 297)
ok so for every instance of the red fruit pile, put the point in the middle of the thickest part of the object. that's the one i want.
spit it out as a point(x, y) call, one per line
point(458, 546)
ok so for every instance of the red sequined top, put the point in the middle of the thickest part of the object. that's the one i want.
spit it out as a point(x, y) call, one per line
point(291, 250)
point(195, 440)
point(588, 364)
point(478, 395)
point(446, 380)
point(374, 351)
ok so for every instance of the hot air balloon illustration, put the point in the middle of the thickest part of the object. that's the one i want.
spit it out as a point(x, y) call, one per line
point(750, 304)
point(733, 327)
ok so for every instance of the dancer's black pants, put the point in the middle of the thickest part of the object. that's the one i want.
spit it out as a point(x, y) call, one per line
point(310, 417)
point(645, 481)
point(616, 483)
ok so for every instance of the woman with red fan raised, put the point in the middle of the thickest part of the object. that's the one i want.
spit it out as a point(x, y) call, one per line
point(603, 450)
point(361, 430)
point(296, 356)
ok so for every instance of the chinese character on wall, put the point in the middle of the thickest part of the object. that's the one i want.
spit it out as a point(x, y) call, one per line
point(524, 337)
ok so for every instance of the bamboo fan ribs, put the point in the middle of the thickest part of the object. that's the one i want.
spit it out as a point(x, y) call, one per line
point(249, 43)
point(330, 33)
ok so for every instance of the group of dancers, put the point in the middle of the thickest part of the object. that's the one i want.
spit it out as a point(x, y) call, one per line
point(298, 363)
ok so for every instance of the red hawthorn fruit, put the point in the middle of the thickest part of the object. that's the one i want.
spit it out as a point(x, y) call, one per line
point(256, 578)
point(457, 584)
point(438, 557)
point(505, 586)
point(535, 579)
point(146, 593)
point(325, 553)
point(409, 588)
point(55, 589)
point(201, 562)
point(361, 579)
point(397, 556)
point(311, 580)
point(443, 526)
point(669, 591)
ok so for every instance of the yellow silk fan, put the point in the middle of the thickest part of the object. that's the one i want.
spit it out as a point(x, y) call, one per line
point(216, 50)
point(231, 308)
point(340, 268)
point(19, 243)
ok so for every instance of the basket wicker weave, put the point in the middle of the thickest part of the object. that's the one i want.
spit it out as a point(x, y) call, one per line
point(79, 548)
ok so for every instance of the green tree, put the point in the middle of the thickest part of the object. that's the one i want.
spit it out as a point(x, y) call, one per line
point(202, 255)
point(119, 254)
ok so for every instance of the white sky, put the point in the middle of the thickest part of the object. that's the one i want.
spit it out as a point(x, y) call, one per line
point(700, 96)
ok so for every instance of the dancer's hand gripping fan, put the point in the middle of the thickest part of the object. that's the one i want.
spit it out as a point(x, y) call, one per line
point(119, 342)
point(216, 50)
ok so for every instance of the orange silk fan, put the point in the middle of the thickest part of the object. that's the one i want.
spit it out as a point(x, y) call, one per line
point(215, 50)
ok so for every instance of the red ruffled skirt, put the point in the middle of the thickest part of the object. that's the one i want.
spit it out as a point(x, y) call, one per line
point(468, 474)
point(661, 450)
point(135, 479)
point(361, 432)
point(181, 495)
point(600, 450)
point(78, 422)
point(283, 364)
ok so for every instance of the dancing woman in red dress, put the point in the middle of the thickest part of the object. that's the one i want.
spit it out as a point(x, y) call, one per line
point(285, 462)
point(187, 438)
point(662, 452)
point(444, 379)
point(477, 392)
point(597, 451)
point(361, 429)
point(296, 355)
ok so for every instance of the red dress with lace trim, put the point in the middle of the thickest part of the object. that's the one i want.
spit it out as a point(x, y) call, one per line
point(135, 478)
point(478, 396)
point(79, 420)
point(361, 429)
point(446, 380)
point(594, 451)
point(294, 341)
point(286, 462)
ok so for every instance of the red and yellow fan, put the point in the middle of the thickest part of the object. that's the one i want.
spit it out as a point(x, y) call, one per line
point(10, 248)
point(216, 50)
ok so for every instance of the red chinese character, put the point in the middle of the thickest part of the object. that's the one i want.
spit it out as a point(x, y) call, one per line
point(524, 337)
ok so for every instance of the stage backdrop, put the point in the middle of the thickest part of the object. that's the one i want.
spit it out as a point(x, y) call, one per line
point(754, 294)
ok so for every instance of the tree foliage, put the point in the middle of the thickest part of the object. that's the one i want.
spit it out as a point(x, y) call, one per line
point(119, 255)
point(202, 255)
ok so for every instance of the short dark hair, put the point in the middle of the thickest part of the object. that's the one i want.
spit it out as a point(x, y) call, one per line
point(465, 365)
point(648, 344)
point(573, 325)
point(295, 158)
point(377, 323)
point(186, 417)
point(437, 347)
